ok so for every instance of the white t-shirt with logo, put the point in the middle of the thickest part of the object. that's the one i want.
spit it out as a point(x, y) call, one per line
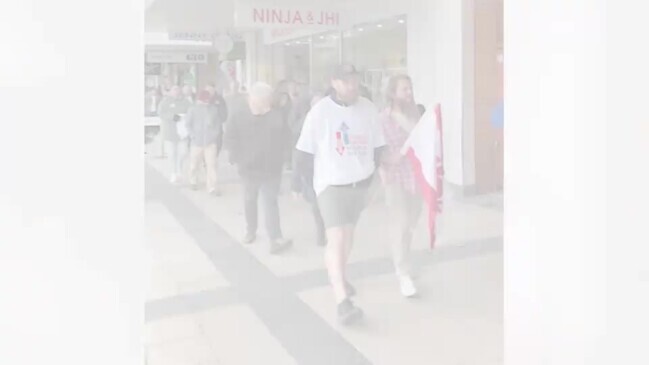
point(342, 140)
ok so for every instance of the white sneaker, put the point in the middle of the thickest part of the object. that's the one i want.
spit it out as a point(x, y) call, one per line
point(408, 288)
point(173, 179)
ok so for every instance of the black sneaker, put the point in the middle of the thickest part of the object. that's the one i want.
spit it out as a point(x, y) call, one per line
point(280, 245)
point(249, 238)
point(348, 313)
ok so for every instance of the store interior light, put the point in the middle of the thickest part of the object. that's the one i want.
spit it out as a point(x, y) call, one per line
point(401, 21)
point(322, 37)
point(379, 25)
point(360, 29)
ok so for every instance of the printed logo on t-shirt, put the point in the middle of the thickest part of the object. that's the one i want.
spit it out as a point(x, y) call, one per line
point(350, 144)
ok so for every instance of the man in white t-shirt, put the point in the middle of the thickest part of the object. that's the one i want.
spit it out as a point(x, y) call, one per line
point(343, 136)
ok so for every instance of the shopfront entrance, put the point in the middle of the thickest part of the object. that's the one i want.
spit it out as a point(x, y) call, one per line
point(377, 49)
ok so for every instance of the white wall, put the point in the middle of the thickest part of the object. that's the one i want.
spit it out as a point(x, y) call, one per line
point(556, 208)
point(436, 64)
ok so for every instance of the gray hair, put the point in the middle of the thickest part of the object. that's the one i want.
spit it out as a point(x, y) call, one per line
point(261, 91)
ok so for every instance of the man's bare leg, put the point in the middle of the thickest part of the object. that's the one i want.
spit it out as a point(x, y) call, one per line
point(335, 259)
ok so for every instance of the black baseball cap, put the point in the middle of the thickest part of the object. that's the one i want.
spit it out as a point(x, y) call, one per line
point(343, 71)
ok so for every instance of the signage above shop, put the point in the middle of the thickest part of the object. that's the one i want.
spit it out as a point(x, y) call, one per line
point(204, 36)
point(176, 57)
point(250, 15)
point(294, 17)
point(191, 36)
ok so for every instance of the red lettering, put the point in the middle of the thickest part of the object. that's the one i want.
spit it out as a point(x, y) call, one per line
point(258, 16)
point(277, 16)
point(330, 18)
point(297, 18)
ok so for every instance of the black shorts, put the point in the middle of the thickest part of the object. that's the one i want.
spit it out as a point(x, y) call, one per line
point(342, 205)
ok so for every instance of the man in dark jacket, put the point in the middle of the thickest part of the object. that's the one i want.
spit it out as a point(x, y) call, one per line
point(256, 139)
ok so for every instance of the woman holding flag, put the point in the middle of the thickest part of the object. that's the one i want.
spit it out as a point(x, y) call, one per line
point(403, 197)
point(413, 171)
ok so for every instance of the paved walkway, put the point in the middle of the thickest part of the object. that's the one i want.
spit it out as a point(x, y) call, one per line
point(213, 300)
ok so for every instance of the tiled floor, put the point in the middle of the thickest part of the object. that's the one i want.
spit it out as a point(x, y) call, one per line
point(449, 323)
point(456, 320)
point(240, 337)
point(177, 265)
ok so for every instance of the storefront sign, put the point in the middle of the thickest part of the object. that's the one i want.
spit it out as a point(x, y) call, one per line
point(249, 15)
point(191, 36)
point(176, 57)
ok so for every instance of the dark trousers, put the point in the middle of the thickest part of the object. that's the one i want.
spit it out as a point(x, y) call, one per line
point(268, 189)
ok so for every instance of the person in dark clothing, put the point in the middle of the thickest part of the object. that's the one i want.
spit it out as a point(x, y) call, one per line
point(282, 98)
point(217, 100)
point(235, 99)
point(300, 106)
point(256, 140)
point(287, 100)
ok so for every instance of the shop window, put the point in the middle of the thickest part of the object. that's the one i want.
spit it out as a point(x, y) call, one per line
point(326, 52)
point(378, 50)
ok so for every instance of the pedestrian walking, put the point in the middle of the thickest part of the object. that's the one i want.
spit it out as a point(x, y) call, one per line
point(171, 110)
point(402, 196)
point(217, 100)
point(205, 128)
point(343, 136)
point(256, 139)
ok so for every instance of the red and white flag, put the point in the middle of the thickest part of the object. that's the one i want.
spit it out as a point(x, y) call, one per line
point(424, 150)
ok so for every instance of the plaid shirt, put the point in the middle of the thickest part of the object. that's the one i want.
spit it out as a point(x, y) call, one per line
point(401, 173)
